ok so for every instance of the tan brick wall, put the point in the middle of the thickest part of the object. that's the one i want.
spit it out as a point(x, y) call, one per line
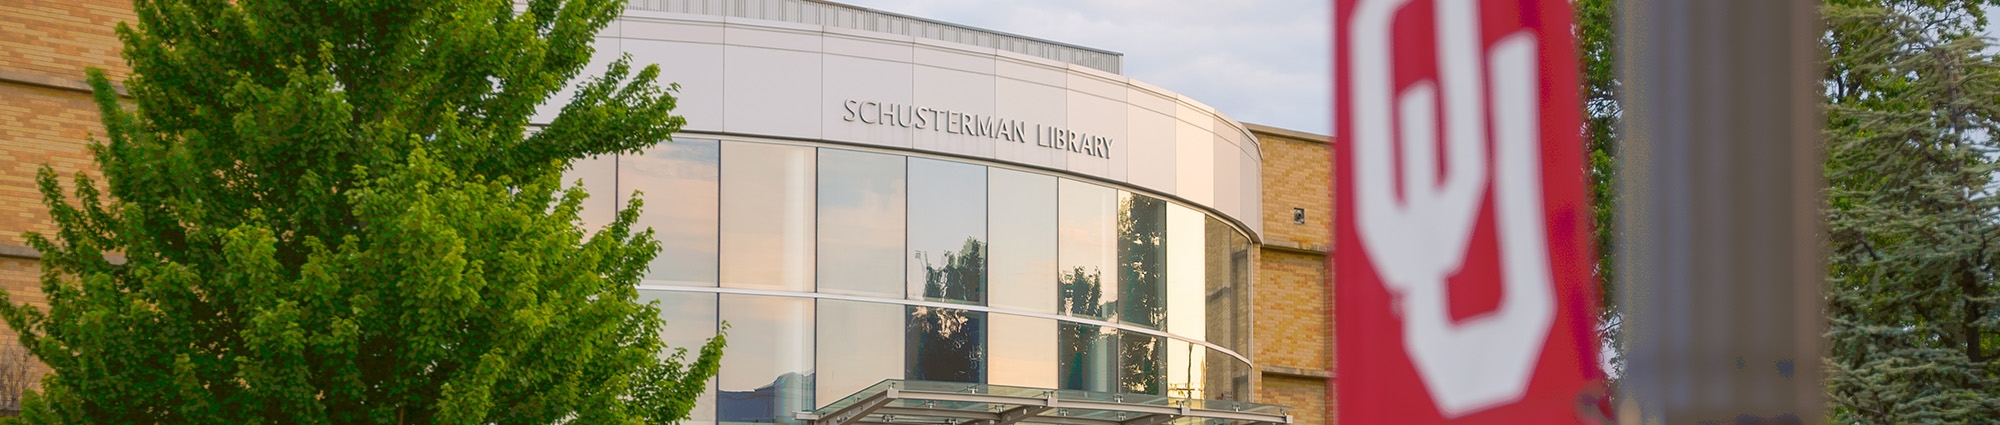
point(47, 43)
point(59, 38)
point(1293, 325)
point(1291, 319)
point(1306, 396)
point(1296, 173)
point(39, 126)
point(22, 279)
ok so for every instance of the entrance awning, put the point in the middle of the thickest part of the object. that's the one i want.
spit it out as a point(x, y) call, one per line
point(898, 402)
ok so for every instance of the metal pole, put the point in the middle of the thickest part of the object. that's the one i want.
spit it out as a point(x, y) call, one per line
point(1719, 197)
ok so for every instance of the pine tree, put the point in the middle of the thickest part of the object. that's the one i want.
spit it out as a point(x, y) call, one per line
point(1912, 111)
point(334, 212)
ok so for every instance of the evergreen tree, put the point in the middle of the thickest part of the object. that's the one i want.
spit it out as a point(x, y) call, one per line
point(1911, 110)
point(334, 212)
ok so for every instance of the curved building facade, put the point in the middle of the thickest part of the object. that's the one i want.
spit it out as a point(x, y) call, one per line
point(864, 196)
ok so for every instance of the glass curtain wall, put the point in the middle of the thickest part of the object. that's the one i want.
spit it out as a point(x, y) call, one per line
point(860, 343)
point(767, 211)
point(878, 233)
point(689, 321)
point(947, 262)
point(1023, 255)
point(1087, 229)
point(767, 372)
point(680, 184)
point(861, 223)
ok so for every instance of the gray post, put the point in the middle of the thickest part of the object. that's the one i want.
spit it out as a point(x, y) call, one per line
point(1719, 253)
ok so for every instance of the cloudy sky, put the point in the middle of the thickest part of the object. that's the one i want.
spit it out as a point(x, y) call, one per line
point(1259, 61)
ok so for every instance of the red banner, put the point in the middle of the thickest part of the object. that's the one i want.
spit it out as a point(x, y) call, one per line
point(1464, 292)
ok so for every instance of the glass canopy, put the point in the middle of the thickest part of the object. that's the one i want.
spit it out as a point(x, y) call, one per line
point(896, 401)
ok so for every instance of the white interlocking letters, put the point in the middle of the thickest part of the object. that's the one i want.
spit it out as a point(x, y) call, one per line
point(1416, 242)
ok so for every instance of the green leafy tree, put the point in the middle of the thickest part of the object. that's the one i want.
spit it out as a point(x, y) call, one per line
point(1595, 33)
point(334, 212)
point(1913, 103)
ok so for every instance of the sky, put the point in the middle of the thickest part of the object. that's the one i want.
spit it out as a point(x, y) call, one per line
point(1258, 61)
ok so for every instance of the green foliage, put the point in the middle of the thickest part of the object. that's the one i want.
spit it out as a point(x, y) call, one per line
point(333, 212)
point(1597, 51)
point(1911, 113)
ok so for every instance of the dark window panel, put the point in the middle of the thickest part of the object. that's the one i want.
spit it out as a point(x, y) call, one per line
point(945, 344)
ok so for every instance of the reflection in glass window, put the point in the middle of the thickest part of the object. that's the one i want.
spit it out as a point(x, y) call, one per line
point(1087, 230)
point(860, 223)
point(860, 344)
point(1227, 264)
point(678, 181)
point(947, 231)
point(1022, 258)
point(766, 374)
point(1228, 378)
point(945, 344)
point(1085, 357)
point(598, 175)
point(1023, 351)
point(767, 211)
point(1186, 275)
point(1142, 260)
point(1142, 363)
point(1186, 363)
point(689, 322)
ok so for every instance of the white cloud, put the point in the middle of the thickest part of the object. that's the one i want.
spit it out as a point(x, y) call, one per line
point(1259, 61)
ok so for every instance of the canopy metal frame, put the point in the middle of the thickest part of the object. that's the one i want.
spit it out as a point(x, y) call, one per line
point(887, 404)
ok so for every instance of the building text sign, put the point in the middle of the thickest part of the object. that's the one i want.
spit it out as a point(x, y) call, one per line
point(970, 124)
point(1464, 290)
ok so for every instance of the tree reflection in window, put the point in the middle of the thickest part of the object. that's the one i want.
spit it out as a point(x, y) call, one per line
point(1084, 353)
point(1142, 292)
point(948, 344)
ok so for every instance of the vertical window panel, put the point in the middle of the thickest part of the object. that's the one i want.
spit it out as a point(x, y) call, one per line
point(767, 371)
point(1023, 351)
point(1227, 265)
point(945, 344)
point(1142, 260)
point(1186, 274)
point(1227, 378)
point(1087, 231)
point(1086, 357)
point(861, 197)
point(680, 183)
point(1186, 365)
point(1142, 363)
point(689, 323)
point(860, 344)
point(599, 177)
point(1022, 260)
point(767, 211)
point(947, 260)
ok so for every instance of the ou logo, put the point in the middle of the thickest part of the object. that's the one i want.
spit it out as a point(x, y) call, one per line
point(1418, 240)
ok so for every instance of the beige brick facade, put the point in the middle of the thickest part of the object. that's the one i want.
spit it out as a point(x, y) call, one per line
point(1294, 319)
point(47, 116)
point(59, 38)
